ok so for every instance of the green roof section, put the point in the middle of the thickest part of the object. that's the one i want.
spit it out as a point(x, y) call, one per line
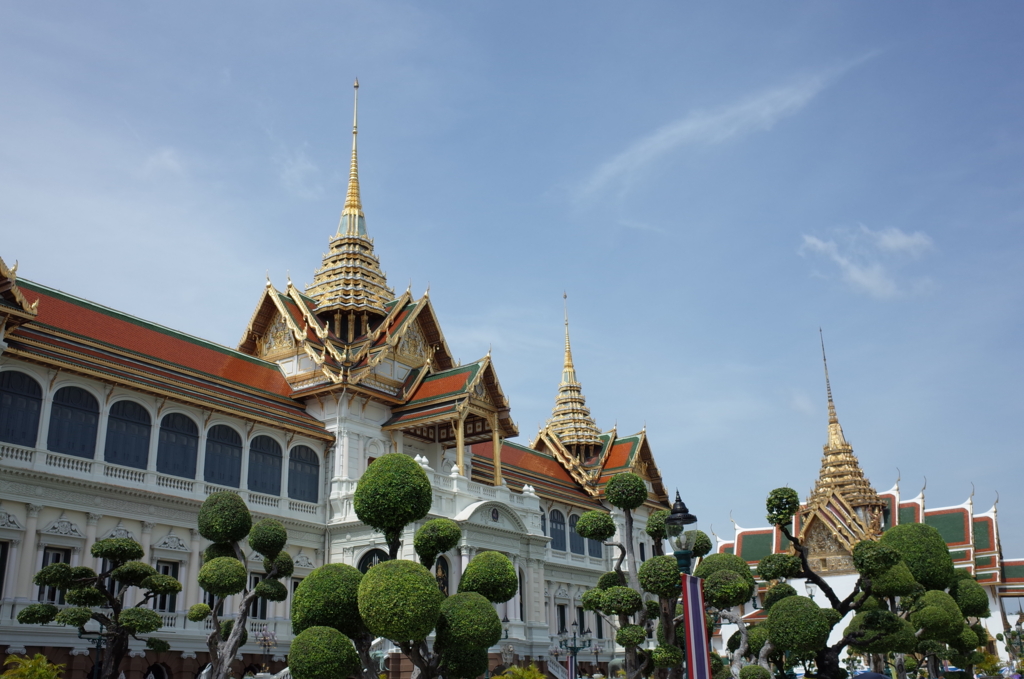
point(982, 535)
point(755, 546)
point(908, 515)
point(952, 526)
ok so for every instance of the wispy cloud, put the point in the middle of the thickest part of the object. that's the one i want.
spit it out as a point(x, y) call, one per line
point(756, 113)
point(299, 175)
point(866, 259)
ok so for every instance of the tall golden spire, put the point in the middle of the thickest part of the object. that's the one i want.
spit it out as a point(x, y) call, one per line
point(350, 287)
point(570, 419)
point(835, 432)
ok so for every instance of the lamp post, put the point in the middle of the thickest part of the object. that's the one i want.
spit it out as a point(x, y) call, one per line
point(680, 539)
point(810, 588)
point(574, 644)
point(267, 641)
point(101, 642)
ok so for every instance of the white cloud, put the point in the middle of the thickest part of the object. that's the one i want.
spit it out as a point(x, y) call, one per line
point(757, 113)
point(164, 160)
point(866, 258)
point(299, 175)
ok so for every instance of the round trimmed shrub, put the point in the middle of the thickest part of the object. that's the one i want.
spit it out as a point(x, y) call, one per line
point(630, 635)
point(778, 567)
point(82, 573)
point(659, 575)
point(328, 597)
point(592, 599)
point(938, 615)
point(621, 601)
point(393, 492)
point(157, 645)
point(898, 639)
point(596, 525)
point(198, 612)
point(55, 575)
point(782, 504)
point(872, 559)
point(797, 624)
point(75, 617)
point(161, 584)
point(283, 562)
point(465, 663)
point(86, 596)
point(667, 656)
point(924, 551)
point(271, 590)
point(117, 549)
point(224, 517)
point(37, 614)
point(218, 550)
point(754, 672)
point(626, 491)
point(897, 581)
point(971, 598)
point(724, 589)
point(225, 631)
point(832, 616)
point(399, 600)
point(492, 575)
point(757, 635)
point(609, 579)
point(133, 573)
point(717, 562)
point(436, 536)
point(268, 537)
point(468, 620)
point(322, 653)
point(222, 576)
point(701, 544)
point(140, 620)
point(653, 609)
point(776, 594)
point(656, 524)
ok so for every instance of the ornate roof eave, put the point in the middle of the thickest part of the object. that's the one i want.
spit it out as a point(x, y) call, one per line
point(558, 450)
point(653, 474)
point(20, 307)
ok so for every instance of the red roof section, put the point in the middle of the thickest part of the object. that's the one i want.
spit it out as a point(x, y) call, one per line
point(619, 455)
point(446, 384)
point(93, 321)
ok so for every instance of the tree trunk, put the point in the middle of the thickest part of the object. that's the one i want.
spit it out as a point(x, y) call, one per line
point(737, 658)
point(901, 666)
point(934, 670)
point(827, 662)
point(877, 661)
point(362, 643)
point(762, 658)
point(668, 628)
point(113, 654)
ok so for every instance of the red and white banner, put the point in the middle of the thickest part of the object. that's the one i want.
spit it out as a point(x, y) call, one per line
point(698, 659)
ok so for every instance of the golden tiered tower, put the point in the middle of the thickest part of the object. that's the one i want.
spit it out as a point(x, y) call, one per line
point(350, 285)
point(843, 508)
point(570, 420)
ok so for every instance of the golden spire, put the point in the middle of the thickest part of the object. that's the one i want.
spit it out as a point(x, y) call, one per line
point(835, 432)
point(350, 281)
point(570, 419)
point(353, 222)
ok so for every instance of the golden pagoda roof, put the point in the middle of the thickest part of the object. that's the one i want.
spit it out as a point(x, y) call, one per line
point(570, 419)
point(840, 469)
point(350, 278)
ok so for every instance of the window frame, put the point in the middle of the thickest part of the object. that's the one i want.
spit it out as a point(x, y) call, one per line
point(577, 544)
point(73, 429)
point(558, 538)
point(261, 478)
point(128, 438)
point(310, 476)
point(26, 433)
point(221, 456)
point(169, 451)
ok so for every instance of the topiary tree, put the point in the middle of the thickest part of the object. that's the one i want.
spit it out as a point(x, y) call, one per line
point(100, 597)
point(727, 584)
point(399, 599)
point(224, 519)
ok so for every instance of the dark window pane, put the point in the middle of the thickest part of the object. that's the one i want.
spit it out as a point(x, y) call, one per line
point(20, 402)
point(441, 574)
point(179, 443)
point(303, 474)
point(265, 466)
point(372, 558)
point(544, 524)
point(576, 542)
point(128, 431)
point(557, 530)
point(594, 547)
point(223, 456)
point(74, 419)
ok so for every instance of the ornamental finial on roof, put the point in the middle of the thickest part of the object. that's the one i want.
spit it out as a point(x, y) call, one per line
point(352, 220)
point(835, 432)
point(570, 419)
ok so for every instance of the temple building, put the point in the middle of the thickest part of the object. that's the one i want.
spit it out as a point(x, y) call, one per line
point(843, 508)
point(111, 425)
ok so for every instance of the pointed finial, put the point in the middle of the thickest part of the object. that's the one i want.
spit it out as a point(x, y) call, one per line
point(832, 419)
point(268, 278)
point(489, 351)
point(352, 223)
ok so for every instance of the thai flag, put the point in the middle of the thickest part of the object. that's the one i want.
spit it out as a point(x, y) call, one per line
point(571, 666)
point(698, 660)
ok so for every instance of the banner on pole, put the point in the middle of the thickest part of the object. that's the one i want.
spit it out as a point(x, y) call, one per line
point(698, 658)
point(571, 666)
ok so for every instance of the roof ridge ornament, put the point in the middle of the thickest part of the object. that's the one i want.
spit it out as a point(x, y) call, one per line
point(570, 419)
point(353, 208)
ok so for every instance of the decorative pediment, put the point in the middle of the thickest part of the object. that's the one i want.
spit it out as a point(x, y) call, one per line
point(303, 561)
point(172, 542)
point(413, 348)
point(64, 527)
point(8, 520)
point(278, 338)
point(119, 531)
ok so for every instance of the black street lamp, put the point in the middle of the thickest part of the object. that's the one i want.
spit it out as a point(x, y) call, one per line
point(680, 539)
point(574, 645)
point(100, 642)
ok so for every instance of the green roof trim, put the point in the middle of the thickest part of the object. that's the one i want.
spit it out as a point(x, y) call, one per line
point(982, 535)
point(950, 526)
point(908, 515)
point(755, 546)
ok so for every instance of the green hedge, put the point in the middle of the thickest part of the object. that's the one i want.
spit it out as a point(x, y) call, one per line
point(86, 596)
point(399, 600)
point(198, 612)
point(282, 562)
point(393, 492)
point(630, 635)
point(268, 537)
point(328, 597)
point(782, 504)
point(37, 614)
point(626, 490)
point(656, 524)
point(592, 599)
point(872, 559)
point(621, 601)
point(436, 536)
point(754, 672)
point(464, 663)
point(224, 517)
point(225, 631)
point(322, 653)
point(724, 589)
point(659, 575)
point(596, 525)
point(223, 576)
point(492, 575)
point(468, 620)
point(924, 551)
point(117, 549)
point(218, 550)
point(271, 590)
point(667, 656)
point(75, 617)
point(132, 573)
point(938, 615)
point(778, 567)
point(140, 620)
point(797, 624)
point(609, 579)
point(777, 593)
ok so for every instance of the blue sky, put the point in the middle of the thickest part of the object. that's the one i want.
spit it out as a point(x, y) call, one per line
point(710, 183)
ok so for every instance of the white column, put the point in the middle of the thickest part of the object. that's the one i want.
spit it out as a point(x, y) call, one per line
point(101, 431)
point(11, 576)
point(201, 455)
point(514, 601)
point(285, 456)
point(90, 539)
point(243, 478)
point(26, 569)
point(192, 586)
point(154, 445)
point(552, 609)
point(44, 415)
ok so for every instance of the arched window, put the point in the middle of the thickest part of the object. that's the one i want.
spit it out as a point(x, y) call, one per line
point(128, 428)
point(576, 543)
point(179, 442)
point(20, 402)
point(223, 456)
point(73, 422)
point(594, 547)
point(522, 595)
point(372, 558)
point(544, 523)
point(265, 466)
point(441, 573)
point(557, 530)
point(303, 474)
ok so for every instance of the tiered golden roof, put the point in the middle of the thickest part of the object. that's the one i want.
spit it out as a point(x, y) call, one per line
point(350, 279)
point(570, 419)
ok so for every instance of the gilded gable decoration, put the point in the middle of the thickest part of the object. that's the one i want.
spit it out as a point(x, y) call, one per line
point(279, 338)
point(413, 348)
